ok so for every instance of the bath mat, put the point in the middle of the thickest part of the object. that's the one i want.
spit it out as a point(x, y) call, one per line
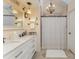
point(55, 54)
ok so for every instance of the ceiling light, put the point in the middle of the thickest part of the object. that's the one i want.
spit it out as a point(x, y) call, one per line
point(50, 8)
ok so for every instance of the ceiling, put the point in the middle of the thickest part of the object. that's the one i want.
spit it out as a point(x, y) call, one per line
point(18, 5)
point(39, 6)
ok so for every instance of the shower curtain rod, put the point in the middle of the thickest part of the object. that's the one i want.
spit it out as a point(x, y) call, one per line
point(53, 16)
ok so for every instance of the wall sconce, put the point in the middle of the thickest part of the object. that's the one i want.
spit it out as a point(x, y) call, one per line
point(27, 13)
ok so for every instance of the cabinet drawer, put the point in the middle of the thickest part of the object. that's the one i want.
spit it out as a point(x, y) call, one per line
point(14, 55)
point(17, 52)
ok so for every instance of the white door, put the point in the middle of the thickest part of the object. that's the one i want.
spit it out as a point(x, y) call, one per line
point(53, 32)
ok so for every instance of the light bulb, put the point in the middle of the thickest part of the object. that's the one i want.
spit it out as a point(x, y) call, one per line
point(29, 12)
point(54, 5)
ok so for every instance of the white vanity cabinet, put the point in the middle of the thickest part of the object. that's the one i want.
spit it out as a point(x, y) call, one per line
point(24, 51)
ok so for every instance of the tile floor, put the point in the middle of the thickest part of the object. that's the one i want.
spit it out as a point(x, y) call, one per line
point(42, 54)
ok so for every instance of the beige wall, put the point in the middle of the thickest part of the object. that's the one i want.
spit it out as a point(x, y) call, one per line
point(71, 5)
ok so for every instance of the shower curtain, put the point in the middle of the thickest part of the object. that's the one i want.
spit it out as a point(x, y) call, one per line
point(53, 33)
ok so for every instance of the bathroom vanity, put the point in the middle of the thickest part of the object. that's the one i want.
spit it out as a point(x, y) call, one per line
point(24, 48)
